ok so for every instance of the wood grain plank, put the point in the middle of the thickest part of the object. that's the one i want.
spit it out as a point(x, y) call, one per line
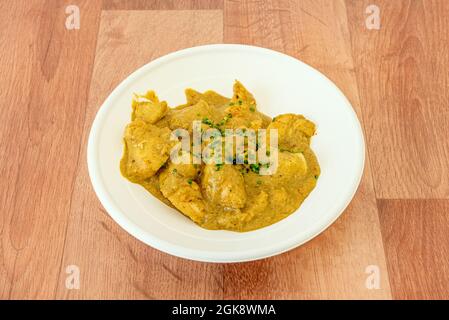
point(14, 88)
point(416, 241)
point(113, 264)
point(40, 144)
point(332, 265)
point(162, 4)
point(404, 94)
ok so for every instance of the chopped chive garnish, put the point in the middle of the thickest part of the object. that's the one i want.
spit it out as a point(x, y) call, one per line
point(254, 168)
point(207, 121)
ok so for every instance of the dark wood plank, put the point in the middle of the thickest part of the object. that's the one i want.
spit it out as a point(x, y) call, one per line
point(404, 95)
point(416, 242)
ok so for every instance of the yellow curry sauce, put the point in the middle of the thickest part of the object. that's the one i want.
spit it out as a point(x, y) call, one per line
point(228, 196)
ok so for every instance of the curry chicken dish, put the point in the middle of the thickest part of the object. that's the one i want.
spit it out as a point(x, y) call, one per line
point(219, 196)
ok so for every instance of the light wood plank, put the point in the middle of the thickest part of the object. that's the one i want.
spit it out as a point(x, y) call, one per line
point(44, 110)
point(162, 4)
point(404, 94)
point(416, 240)
point(333, 265)
point(14, 88)
point(113, 264)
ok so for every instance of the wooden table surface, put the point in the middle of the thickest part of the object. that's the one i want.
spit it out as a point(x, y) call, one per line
point(53, 80)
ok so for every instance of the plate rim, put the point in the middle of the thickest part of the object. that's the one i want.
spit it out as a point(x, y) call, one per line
point(201, 255)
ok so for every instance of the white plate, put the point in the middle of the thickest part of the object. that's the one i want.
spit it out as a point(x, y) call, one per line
point(280, 84)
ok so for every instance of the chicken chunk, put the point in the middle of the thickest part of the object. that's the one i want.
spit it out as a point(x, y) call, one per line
point(192, 97)
point(243, 110)
point(223, 185)
point(177, 185)
point(148, 108)
point(290, 166)
point(183, 118)
point(241, 93)
point(294, 131)
point(147, 148)
point(215, 99)
point(211, 97)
